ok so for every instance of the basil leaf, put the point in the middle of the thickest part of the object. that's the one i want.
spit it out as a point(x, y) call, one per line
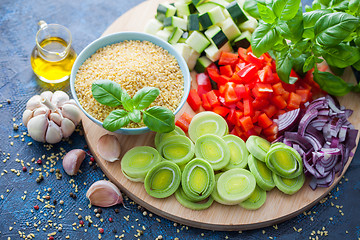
point(309, 63)
point(250, 6)
point(299, 62)
point(116, 120)
point(354, 6)
point(144, 97)
point(326, 3)
point(127, 101)
point(159, 119)
point(292, 29)
point(135, 116)
point(284, 66)
point(266, 13)
point(107, 92)
point(333, 28)
point(331, 84)
point(263, 38)
point(357, 65)
point(341, 55)
point(339, 5)
point(286, 9)
point(310, 18)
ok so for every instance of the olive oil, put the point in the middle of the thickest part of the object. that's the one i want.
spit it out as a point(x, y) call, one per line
point(53, 59)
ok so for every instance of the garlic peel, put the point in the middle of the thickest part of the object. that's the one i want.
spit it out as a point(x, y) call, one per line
point(104, 194)
point(27, 115)
point(37, 127)
point(53, 133)
point(109, 147)
point(72, 161)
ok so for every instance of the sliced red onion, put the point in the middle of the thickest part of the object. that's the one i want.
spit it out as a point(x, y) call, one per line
point(306, 119)
point(288, 121)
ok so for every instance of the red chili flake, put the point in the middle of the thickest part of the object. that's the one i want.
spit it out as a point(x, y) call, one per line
point(36, 207)
point(81, 222)
point(111, 220)
point(39, 161)
point(51, 238)
point(92, 159)
point(24, 169)
point(101, 230)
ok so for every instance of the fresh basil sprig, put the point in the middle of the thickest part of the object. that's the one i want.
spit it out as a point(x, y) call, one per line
point(109, 93)
point(329, 30)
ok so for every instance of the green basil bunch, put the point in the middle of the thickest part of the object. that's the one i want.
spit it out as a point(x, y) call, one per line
point(109, 93)
point(329, 30)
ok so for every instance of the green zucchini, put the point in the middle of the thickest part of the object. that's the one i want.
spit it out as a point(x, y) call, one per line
point(165, 10)
point(256, 199)
point(186, 202)
point(193, 22)
point(236, 185)
point(198, 180)
point(216, 36)
point(250, 25)
point(289, 186)
point(236, 13)
point(159, 137)
point(191, 62)
point(258, 147)
point(243, 40)
point(207, 6)
point(213, 149)
point(153, 26)
point(213, 53)
point(238, 152)
point(197, 41)
point(205, 20)
point(216, 15)
point(230, 29)
point(164, 34)
point(175, 36)
point(163, 179)
point(201, 64)
point(136, 162)
point(207, 123)
point(262, 173)
point(175, 22)
point(178, 149)
point(183, 9)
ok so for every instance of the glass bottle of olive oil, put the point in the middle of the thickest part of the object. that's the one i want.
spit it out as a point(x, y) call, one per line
point(52, 57)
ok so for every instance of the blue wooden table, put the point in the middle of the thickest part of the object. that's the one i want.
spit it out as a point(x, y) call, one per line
point(337, 217)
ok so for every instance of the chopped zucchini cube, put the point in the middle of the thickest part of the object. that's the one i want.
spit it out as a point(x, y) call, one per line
point(216, 36)
point(164, 34)
point(205, 20)
point(175, 22)
point(213, 53)
point(201, 64)
point(193, 22)
point(176, 35)
point(216, 15)
point(165, 10)
point(243, 40)
point(249, 25)
point(230, 29)
point(236, 12)
point(153, 26)
point(197, 41)
point(182, 9)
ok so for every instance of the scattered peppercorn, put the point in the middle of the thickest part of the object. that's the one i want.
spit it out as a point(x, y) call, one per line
point(24, 169)
point(73, 195)
point(47, 197)
point(117, 210)
point(111, 220)
point(99, 210)
point(92, 159)
point(94, 167)
point(89, 224)
point(81, 222)
point(39, 161)
point(15, 127)
point(36, 207)
point(101, 230)
point(8, 101)
point(61, 202)
point(54, 202)
point(114, 231)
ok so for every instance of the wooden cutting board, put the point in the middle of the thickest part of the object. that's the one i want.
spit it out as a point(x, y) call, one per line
point(278, 206)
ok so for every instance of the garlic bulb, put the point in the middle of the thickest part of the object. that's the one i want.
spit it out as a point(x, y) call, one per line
point(104, 194)
point(51, 116)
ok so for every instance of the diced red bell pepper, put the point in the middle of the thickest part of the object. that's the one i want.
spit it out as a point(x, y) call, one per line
point(285, 96)
point(212, 66)
point(264, 121)
point(203, 82)
point(226, 70)
point(279, 102)
point(266, 58)
point(205, 102)
point(222, 89)
point(194, 100)
point(305, 94)
point(248, 73)
point(213, 74)
point(227, 58)
point(222, 79)
point(251, 132)
point(230, 94)
point(240, 133)
point(248, 107)
point(256, 116)
point(260, 103)
point(270, 110)
point(222, 111)
point(272, 130)
point(262, 90)
point(242, 53)
point(257, 129)
point(240, 106)
point(238, 114)
point(278, 88)
point(294, 74)
point(266, 75)
point(294, 101)
point(235, 79)
point(213, 98)
point(251, 58)
point(184, 121)
point(289, 87)
point(231, 117)
point(279, 112)
point(239, 65)
point(271, 138)
point(242, 91)
point(246, 123)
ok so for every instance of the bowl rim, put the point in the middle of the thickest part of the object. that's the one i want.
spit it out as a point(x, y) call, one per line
point(88, 51)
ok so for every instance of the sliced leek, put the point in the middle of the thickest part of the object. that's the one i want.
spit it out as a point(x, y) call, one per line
point(178, 149)
point(238, 152)
point(262, 173)
point(289, 186)
point(236, 185)
point(186, 202)
point(136, 162)
point(207, 123)
point(198, 180)
point(163, 179)
point(213, 149)
point(215, 193)
point(256, 199)
point(159, 137)
point(258, 147)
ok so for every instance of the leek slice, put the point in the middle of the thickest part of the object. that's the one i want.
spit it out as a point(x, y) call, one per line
point(256, 199)
point(178, 149)
point(207, 123)
point(198, 180)
point(262, 173)
point(186, 202)
point(289, 186)
point(285, 161)
point(159, 137)
point(238, 152)
point(163, 179)
point(213, 149)
point(136, 162)
point(215, 194)
point(258, 147)
point(236, 185)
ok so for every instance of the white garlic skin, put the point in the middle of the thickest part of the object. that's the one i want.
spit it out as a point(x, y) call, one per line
point(104, 194)
point(72, 161)
point(59, 116)
point(109, 148)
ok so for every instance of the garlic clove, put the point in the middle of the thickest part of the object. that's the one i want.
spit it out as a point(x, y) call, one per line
point(71, 101)
point(67, 127)
point(47, 94)
point(53, 133)
point(34, 102)
point(71, 112)
point(37, 127)
point(109, 148)
point(41, 110)
point(72, 161)
point(27, 115)
point(59, 97)
point(104, 194)
point(56, 118)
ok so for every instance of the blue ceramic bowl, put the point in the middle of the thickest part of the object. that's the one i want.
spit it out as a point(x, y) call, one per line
point(120, 37)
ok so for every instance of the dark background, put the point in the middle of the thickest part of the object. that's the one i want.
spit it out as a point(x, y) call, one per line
point(337, 217)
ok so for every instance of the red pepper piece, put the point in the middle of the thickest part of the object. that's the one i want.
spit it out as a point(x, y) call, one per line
point(264, 121)
point(248, 73)
point(248, 107)
point(279, 102)
point(294, 101)
point(184, 121)
point(204, 84)
point(222, 111)
point(227, 58)
point(205, 102)
point(270, 110)
point(194, 100)
point(246, 123)
point(226, 71)
point(251, 58)
point(213, 99)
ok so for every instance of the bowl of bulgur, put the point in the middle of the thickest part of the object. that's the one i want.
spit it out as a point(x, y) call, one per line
point(134, 60)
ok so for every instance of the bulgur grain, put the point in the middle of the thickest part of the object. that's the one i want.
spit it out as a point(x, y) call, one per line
point(134, 65)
